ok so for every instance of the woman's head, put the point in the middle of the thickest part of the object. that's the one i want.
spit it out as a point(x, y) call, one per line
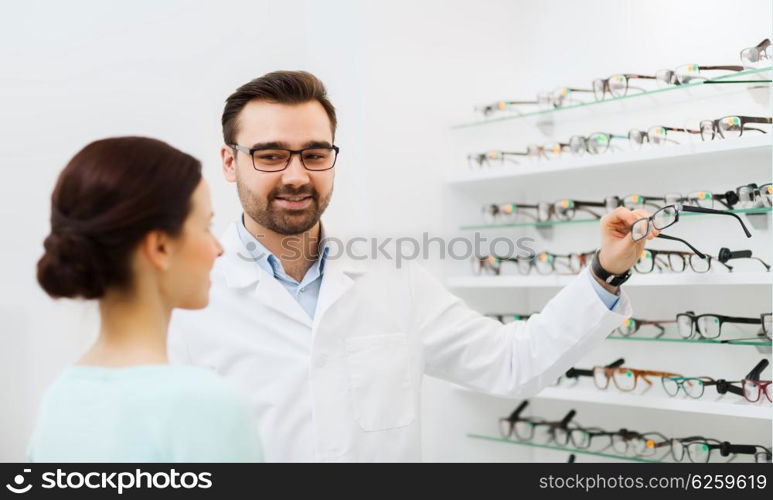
point(126, 213)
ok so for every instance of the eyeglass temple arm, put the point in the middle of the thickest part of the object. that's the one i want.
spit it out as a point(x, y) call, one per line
point(690, 208)
point(756, 119)
point(745, 321)
point(568, 418)
point(646, 77)
point(726, 448)
point(589, 203)
point(763, 43)
point(759, 336)
point(730, 67)
point(678, 129)
point(755, 373)
point(673, 238)
point(517, 412)
point(579, 372)
point(724, 386)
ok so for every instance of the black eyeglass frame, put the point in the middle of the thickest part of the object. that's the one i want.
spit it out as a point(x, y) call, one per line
point(251, 153)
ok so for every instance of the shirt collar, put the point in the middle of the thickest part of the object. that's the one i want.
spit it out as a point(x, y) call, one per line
point(271, 264)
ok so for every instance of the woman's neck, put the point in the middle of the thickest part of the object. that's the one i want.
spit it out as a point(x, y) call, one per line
point(133, 331)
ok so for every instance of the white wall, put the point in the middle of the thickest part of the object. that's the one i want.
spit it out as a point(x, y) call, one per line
point(399, 72)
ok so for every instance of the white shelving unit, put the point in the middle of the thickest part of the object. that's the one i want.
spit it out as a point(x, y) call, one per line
point(637, 280)
point(693, 165)
point(673, 156)
point(723, 406)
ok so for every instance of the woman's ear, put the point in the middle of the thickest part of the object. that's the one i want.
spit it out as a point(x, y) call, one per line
point(157, 248)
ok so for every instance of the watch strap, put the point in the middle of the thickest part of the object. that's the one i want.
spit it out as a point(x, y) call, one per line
point(606, 276)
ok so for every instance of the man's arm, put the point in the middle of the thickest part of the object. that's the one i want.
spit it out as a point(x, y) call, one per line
point(520, 358)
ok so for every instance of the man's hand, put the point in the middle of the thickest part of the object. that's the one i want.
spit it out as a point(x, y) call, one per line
point(619, 252)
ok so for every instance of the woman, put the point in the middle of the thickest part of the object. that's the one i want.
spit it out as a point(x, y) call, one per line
point(130, 227)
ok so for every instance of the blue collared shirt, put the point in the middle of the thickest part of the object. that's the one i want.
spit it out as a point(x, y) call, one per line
point(305, 292)
point(609, 299)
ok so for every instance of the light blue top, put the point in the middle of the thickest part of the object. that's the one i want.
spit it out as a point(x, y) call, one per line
point(609, 299)
point(148, 413)
point(305, 292)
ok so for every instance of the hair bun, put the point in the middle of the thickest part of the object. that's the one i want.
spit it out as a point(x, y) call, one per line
point(70, 266)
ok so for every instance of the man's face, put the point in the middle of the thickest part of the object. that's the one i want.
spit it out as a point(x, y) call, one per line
point(290, 201)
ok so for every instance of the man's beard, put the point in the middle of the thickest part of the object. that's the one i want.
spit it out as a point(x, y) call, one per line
point(280, 220)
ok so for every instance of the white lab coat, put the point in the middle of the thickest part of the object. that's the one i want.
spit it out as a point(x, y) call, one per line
point(347, 385)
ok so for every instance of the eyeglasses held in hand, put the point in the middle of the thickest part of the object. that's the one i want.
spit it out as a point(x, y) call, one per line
point(731, 127)
point(669, 215)
point(270, 159)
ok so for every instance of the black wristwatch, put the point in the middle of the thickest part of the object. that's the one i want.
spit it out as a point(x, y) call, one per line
point(606, 276)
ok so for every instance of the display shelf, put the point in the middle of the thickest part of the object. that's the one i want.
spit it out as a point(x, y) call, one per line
point(724, 407)
point(562, 449)
point(666, 94)
point(634, 338)
point(691, 154)
point(637, 280)
point(748, 211)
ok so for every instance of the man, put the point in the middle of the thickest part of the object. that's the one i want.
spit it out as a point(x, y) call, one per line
point(332, 352)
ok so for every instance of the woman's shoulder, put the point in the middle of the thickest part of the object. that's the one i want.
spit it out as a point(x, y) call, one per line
point(173, 385)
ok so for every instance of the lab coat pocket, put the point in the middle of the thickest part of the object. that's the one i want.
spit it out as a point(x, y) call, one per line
point(379, 368)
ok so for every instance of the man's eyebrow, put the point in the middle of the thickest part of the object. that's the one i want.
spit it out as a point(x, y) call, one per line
point(284, 145)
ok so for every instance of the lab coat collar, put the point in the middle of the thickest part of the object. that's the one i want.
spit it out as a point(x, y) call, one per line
point(241, 271)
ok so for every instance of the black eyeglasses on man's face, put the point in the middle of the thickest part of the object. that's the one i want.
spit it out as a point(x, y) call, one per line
point(266, 158)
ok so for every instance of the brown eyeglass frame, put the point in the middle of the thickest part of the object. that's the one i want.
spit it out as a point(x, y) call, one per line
point(609, 374)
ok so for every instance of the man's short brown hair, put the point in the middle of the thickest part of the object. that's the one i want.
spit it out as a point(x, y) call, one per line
point(282, 87)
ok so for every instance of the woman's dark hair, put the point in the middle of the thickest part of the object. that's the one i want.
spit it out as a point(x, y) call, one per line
point(107, 198)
